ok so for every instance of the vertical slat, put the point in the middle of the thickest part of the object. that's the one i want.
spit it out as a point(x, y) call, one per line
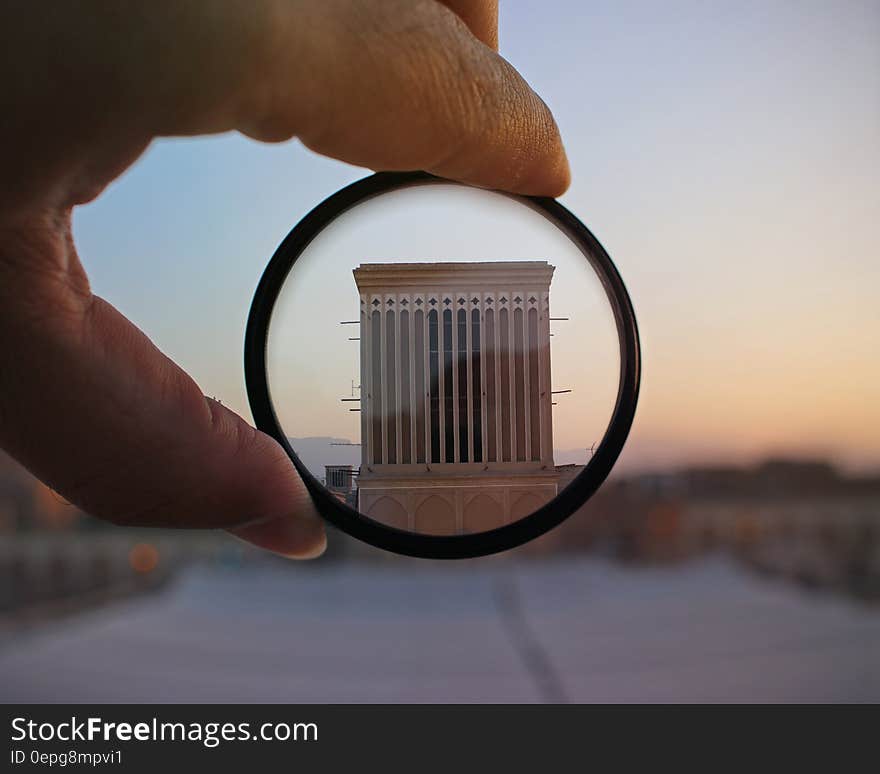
point(470, 377)
point(366, 418)
point(455, 425)
point(441, 378)
point(383, 361)
point(511, 363)
point(426, 369)
point(398, 420)
point(484, 408)
point(547, 385)
point(527, 400)
point(413, 447)
point(499, 413)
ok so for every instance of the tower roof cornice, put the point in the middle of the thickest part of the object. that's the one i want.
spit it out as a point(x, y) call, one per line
point(470, 274)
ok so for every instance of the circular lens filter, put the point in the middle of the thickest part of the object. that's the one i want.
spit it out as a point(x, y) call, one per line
point(452, 371)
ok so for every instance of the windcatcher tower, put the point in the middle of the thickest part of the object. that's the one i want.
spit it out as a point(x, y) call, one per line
point(456, 409)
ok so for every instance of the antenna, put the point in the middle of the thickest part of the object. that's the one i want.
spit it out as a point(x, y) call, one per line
point(556, 319)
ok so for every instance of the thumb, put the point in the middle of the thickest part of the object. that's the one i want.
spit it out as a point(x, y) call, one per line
point(96, 411)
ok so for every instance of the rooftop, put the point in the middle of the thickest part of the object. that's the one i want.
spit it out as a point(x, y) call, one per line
point(470, 273)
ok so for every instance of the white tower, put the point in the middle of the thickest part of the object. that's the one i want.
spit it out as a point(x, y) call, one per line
point(456, 419)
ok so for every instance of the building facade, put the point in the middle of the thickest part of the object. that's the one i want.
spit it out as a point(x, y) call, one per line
point(456, 417)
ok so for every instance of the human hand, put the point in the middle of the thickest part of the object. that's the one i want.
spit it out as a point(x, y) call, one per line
point(87, 402)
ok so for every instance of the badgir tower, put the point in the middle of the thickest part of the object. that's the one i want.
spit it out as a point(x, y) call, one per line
point(456, 405)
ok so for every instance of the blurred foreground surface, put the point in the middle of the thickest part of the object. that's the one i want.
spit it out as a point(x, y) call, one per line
point(558, 629)
point(703, 584)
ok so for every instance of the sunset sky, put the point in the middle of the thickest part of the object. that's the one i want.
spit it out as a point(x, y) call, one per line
point(727, 155)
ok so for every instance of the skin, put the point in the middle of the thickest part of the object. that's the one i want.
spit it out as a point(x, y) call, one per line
point(87, 402)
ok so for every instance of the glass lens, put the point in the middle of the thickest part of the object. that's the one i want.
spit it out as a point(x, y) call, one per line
point(443, 359)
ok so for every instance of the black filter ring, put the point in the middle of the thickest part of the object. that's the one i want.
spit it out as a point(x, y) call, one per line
point(444, 546)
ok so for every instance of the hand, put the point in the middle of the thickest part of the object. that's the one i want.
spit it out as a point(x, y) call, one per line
point(87, 402)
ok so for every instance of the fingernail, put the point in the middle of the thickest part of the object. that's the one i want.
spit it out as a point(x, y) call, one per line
point(297, 536)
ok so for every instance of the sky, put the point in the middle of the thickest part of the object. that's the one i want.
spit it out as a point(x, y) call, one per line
point(727, 155)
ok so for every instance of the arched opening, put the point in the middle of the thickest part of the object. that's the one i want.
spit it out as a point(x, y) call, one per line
point(435, 516)
point(482, 514)
point(388, 511)
point(524, 505)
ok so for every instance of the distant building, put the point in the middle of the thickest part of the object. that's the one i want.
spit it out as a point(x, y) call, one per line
point(456, 424)
point(797, 519)
point(340, 480)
